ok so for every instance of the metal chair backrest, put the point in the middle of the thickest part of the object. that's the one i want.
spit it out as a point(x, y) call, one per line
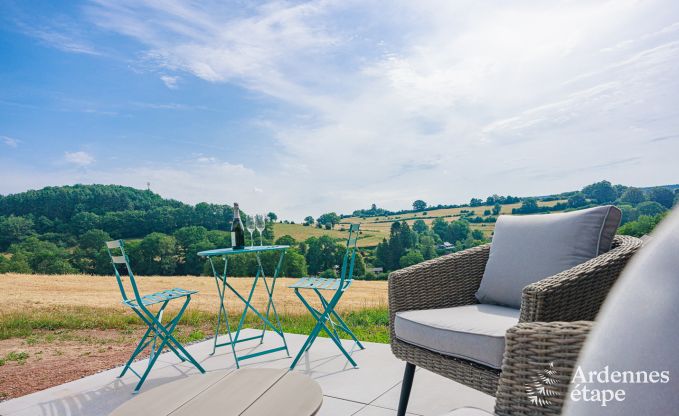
point(116, 250)
point(347, 272)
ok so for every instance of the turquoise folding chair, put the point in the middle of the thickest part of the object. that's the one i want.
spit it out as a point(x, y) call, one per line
point(328, 314)
point(157, 331)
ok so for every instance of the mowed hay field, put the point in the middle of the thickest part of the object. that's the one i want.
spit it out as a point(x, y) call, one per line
point(300, 233)
point(24, 292)
point(374, 229)
point(380, 226)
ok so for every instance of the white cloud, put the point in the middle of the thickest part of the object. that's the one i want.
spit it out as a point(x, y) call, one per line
point(79, 158)
point(10, 141)
point(61, 33)
point(170, 81)
point(436, 100)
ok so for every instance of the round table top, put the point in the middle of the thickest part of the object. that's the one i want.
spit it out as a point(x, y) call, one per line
point(246, 249)
point(246, 391)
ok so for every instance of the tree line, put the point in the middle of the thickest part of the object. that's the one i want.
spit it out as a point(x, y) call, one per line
point(408, 245)
point(63, 229)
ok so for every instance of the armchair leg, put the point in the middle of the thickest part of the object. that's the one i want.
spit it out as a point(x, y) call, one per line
point(406, 385)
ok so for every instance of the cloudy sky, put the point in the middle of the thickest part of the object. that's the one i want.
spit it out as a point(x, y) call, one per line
point(306, 107)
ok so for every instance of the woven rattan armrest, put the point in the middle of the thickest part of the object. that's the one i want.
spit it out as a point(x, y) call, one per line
point(538, 364)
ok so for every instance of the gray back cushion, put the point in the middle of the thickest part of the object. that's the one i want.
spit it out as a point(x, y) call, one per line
point(636, 330)
point(529, 248)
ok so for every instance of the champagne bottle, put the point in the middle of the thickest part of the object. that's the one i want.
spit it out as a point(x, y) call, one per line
point(237, 230)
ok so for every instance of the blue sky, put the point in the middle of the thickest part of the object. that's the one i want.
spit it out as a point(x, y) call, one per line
point(306, 107)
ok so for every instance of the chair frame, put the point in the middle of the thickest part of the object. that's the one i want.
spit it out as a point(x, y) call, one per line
point(328, 313)
point(157, 331)
point(575, 294)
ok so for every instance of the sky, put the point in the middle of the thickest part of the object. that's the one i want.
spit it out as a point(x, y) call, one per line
point(307, 107)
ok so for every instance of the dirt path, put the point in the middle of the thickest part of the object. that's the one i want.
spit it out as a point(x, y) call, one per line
point(48, 359)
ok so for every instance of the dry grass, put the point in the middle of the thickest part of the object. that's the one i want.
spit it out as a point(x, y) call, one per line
point(24, 292)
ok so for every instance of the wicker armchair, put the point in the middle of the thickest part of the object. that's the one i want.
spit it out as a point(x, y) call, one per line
point(533, 348)
point(452, 280)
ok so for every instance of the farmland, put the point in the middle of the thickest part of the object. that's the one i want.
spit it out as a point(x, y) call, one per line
point(25, 292)
point(376, 228)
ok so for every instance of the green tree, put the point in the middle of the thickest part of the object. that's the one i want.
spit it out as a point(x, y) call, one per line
point(383, 255)
point(440, 228)
point(475, 202)
point(193, 263)
point(186, 236)
point(529, 206)
point(189, 241)
point(219, 238)
point(84, 221)
point(603, 192)
point(14, 229)
point(286, 240)
point(157, 255)
point(43, 256)
point(322, 253)
point(650, 208)
point(419, 205)
point(427, 246)
point(629, 213)
point(309, 220)
point(577, 200)
point(359, 265)
point(477, 235)
point(642, 226)
point(329, 218)
point(412, 257)
point(17, 263)
point(457, 231)
point(272, 217)
point(89, 245)
point(663, 196)
point(497, 208)
point(420, 227)
point(633, 196)
point(294, 264)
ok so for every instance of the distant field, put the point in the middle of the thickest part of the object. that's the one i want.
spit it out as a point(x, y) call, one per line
point(374, 229)
point(380, 226)
point(300, 233)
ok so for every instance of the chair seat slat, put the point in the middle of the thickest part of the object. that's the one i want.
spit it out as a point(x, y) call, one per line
point(113, 244)
point(118, 259)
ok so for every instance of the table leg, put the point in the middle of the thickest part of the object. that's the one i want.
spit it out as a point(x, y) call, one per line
point(271, 305)
point(223, 284)
point(221, 290)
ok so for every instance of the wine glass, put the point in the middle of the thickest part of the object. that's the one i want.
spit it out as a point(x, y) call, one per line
point(260, 224)
point(250, 225)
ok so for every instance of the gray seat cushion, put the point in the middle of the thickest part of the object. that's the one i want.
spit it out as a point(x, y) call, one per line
point(529, 248)
point(473, 332)
point(636, 330)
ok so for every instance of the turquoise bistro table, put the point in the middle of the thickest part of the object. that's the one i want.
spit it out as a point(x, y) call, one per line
point(223, 283)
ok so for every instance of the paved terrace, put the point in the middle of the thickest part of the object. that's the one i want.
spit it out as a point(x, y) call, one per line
point(371, 390)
